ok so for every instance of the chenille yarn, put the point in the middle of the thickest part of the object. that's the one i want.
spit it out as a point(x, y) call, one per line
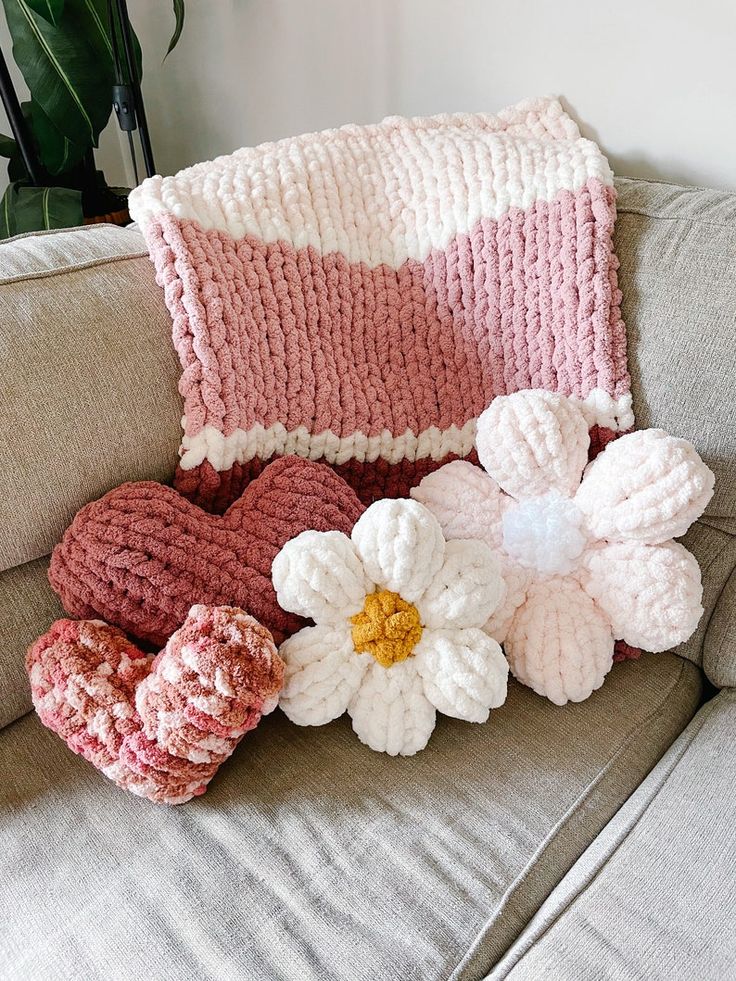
point(142, 555)
point(159, 727)
point(585, 550)
point(397, 637)
point(360, 295)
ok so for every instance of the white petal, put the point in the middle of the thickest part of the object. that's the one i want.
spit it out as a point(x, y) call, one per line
point(401, 546)
point(323, 672)
point(533, 442)
point(464, 672)
point(318, 575)
point(646, 487)
point(559, 642)
point(516, 580)
point(467, 502)
point(466, 590)
point(390, 711)
point(651, 593)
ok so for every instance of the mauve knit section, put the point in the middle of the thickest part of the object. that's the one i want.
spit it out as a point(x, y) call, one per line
point(269, 334)
point(142, 555)
point(213, 490)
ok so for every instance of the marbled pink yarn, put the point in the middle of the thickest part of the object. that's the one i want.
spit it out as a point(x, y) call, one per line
point(159, 727)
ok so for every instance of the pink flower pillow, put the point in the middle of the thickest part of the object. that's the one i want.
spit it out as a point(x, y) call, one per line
point(585, 562)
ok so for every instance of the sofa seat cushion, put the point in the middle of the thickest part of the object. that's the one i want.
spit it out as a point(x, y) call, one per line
point(311, 857)
point(662, 870)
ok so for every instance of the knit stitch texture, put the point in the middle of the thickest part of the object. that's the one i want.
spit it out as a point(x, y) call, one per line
point(142, 555)
point(586, 551)
point(159, 727)
point(360, 295)
point(398, 613)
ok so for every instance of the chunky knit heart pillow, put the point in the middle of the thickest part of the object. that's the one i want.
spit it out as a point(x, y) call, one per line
point(586, 549)
point(159, 727)
point(142, 555)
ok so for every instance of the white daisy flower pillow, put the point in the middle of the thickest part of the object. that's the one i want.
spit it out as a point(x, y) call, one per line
point(586, 548)
point(397, 637)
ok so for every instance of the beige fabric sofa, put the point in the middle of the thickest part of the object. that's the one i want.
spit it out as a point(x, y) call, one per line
point(595, 841)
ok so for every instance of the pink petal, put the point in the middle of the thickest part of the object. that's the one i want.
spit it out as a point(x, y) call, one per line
point(651, 593)
point(517, 581)
point(646, 487)
point(465, 500)
point(533, 442)
point(559, 642)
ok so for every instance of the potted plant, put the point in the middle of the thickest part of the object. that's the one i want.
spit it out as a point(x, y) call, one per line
point(68, 52)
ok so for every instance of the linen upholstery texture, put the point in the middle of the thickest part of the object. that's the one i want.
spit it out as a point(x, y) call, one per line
point(88, 399)
point(454, 827)
point(655, 895)
point(89, 396)
point(27, 601)
point(312, 858)
point(677, 248)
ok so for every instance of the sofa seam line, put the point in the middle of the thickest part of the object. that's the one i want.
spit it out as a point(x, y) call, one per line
point(707, 711)
point(66, 270)
point(693, 220)
point(567, 816)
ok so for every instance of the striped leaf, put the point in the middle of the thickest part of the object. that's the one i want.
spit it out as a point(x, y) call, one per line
point(27, 209)
point(50, 10)
point(178, 27)
point(65, 71)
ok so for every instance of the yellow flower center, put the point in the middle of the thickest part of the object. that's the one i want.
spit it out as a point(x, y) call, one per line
point(387, 627)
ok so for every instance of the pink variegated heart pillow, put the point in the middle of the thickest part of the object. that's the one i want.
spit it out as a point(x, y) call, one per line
point(157, 726)
point(586, 549)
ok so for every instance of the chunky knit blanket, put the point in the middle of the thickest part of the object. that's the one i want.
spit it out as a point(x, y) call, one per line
point(360, 295)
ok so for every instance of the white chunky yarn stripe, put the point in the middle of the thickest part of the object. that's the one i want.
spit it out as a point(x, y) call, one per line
point(241, 446)
point(294, 190)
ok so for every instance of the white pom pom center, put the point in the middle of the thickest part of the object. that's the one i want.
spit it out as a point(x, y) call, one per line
point(545, 533)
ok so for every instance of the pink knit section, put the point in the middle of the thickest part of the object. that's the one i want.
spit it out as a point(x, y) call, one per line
point(157, 727)
point(271, 334)
point(142, 555)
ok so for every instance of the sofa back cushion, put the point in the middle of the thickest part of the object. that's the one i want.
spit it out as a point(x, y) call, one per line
point(89, 395)
point(88, 399)
point(677, 249)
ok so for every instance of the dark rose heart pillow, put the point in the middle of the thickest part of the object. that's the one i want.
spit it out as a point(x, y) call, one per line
point(142, 555)
point(157, 726)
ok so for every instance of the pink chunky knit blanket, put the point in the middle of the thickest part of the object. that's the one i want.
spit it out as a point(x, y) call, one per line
point(360, 295)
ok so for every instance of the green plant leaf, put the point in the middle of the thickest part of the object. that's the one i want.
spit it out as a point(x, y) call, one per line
point(28, 209)
point(8, 146)
point(178, 28)
point(58, 154)
point(50, 10)
point(64, 71)
point(95, 13)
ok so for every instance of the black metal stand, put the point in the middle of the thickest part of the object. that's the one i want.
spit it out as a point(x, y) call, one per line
point(18, 123)
point(135, 84)
point(126, 80)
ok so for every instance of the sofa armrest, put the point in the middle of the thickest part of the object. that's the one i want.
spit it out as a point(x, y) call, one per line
point(655, 895)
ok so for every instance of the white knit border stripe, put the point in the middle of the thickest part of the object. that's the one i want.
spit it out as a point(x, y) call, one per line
point(209, 444)
point(385, 193)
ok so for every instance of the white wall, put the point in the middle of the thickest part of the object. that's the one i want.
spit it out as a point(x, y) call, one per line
point(652, 80)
